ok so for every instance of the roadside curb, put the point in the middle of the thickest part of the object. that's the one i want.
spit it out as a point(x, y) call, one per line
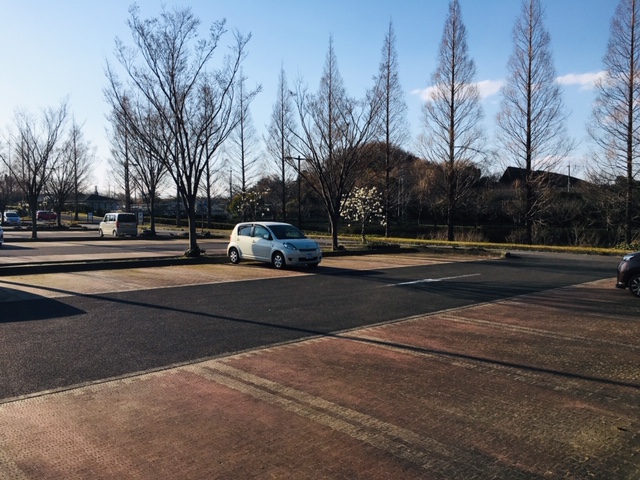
point(115, 264)
point(36, 268)
point(124, 263)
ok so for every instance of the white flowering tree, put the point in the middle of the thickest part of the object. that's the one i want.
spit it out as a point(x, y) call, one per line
point(364, 205)
point(245, 205)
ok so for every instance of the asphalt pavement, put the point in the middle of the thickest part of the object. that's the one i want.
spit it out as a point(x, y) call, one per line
point(542, 385)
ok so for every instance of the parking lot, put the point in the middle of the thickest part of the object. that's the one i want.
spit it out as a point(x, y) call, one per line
point(545, 385)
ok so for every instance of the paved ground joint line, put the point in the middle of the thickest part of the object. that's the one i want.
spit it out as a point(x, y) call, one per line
point(534, 331)
point(398, 441)
point(545, 379)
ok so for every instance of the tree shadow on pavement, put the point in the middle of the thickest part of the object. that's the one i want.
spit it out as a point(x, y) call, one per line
point(35, 308)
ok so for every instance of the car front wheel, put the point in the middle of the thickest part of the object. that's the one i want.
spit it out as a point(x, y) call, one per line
point(634, 285)
point(101, 233)
point(234, 256)
point(278, 260)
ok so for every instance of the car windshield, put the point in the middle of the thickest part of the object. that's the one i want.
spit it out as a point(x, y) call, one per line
point(284, 232)
point(11, 214)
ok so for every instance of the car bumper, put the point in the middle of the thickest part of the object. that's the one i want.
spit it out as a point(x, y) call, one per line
point(297, 258)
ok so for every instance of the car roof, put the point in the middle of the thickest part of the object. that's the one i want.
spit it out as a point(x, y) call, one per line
point(266, 224)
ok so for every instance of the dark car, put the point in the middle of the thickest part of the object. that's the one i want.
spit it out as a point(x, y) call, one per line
point(46, 216)
point(629, 273)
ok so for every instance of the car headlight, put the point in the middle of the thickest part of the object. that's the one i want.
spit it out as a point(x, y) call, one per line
point(289, 246)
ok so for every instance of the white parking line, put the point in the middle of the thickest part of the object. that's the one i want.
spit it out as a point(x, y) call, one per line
point(431, 280)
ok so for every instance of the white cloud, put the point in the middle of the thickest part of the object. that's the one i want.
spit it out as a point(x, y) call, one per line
point(487, 88)
point(586, 81)
point(423, 93)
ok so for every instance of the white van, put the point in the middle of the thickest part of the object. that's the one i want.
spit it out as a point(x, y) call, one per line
point(119, 224)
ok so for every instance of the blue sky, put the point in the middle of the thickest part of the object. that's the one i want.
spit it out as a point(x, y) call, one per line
point(55, 50)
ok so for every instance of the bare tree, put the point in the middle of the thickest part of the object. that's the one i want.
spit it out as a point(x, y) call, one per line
point(334, 128)
point(79, 154)
point(36, 143)
point(243, 141)
point(8, 188)
point(211, 174)
point(532, 121)
point(453, 136)
point(70, 175)
point(616, 122)
point(170, 67)
point(279, 138)
point(393, 115)
point(59, 188)
point(121, 140)
point(136, 163)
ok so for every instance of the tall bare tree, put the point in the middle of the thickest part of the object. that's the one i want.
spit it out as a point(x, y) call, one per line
point(615, 126)
point(334, 128)
point(242, 146)
point(120, 162)
point(143, 167)
point(170, 67)
point(279, 138)
point(79, 154)
point(70, 175)
point(452, 135)
point(532, 120)
point(36, 147)
point(211, 174)
point(8, 188)
point(393, 114)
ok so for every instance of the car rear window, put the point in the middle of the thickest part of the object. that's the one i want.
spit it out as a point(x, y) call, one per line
point(127, 218)
point(245, 230)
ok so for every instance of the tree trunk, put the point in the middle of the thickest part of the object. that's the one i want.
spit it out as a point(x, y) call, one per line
point(34, 221)
point(194, 249)
point(529, 214)
point(152, 215)
point(334, 231)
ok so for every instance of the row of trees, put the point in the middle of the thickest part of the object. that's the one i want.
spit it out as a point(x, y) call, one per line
point(44, 155)
point(180, 113)
point(178, 108)
point(576, 212)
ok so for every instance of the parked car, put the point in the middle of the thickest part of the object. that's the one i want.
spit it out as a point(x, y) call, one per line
point(280, 244)
point(1, 236)
point(629, 273)
point(119, 224)
point(46, 216)
point(11, 218)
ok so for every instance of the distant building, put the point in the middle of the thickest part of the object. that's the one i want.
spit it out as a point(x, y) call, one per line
point(514, 176)
point(98, 203)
